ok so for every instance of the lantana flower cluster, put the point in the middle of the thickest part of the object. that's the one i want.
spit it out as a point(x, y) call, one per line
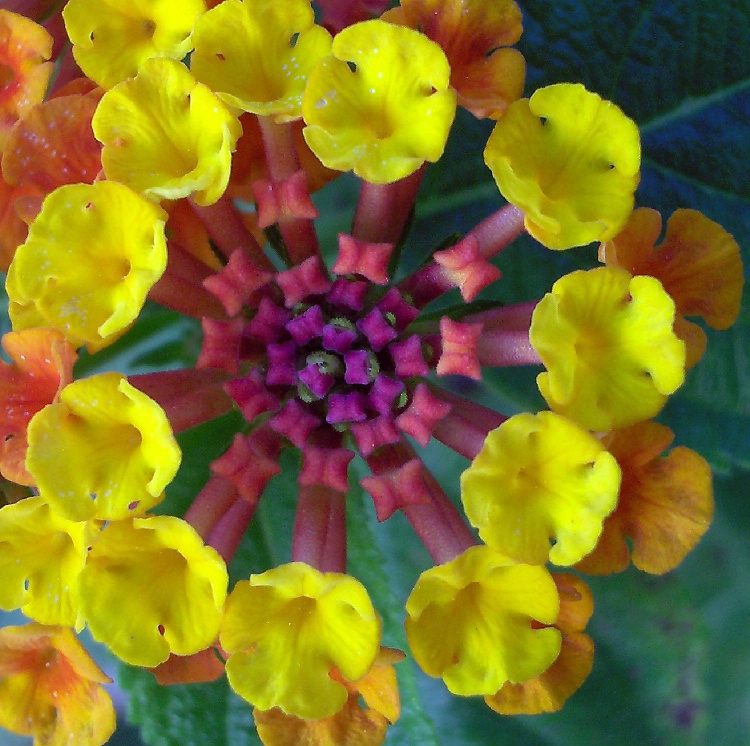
point(134, 138)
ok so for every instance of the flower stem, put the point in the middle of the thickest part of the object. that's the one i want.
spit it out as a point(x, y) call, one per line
point(499, 230)
point(319, 537)
point(383, 209)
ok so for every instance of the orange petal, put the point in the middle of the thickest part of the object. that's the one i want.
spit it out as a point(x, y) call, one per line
point(665, 506)
point(698, 262)
point(39, 152)
point(13, 229)
point(42, 365)
point(190, 669)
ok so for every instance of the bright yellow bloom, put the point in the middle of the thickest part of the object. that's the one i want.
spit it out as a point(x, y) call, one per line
point(390, 114)
point(24, 73)
point(113, 38)
point(92, 254)
point(570, 160)
point(150, 587)
point(474, 621)
point(41, 557)
point(50, 688)
point(476, 36)
point(165, 135)
point(540, 478)
point(607, 342)
point(666, 503)
point(549, 691)
point(42, 365)
point(257, 54)
point(286, 628)
point(354, 724)
point(104, 451)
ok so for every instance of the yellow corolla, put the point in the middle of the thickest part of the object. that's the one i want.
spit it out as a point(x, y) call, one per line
point(381, 105)
point(540, 478)
point(91, 257)
point(570, 160)
point(151, 587)
point(165, 135)
point(607, 341)
point(257, 54)
point(105, 450)
point(475, 621)
point(286, 628)
point(113, 38)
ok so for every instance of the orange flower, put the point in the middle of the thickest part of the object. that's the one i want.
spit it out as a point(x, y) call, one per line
point(666, 503)
point(475, 35)
point(42, 365)
point(698, 263)
point(50, 688)
point(24, 48)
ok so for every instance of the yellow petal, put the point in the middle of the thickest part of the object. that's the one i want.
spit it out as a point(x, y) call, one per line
point(607, 341)
point(113, 38)
point(257, 55)
point(50, 688)
point(473, 621)
point(41, 557)
point(384, 119)
point(151, 587)
point(165, 135)
point(540, 478)
point(92, 254)
point(104, 451)
point(287, 627)
point(570, 160)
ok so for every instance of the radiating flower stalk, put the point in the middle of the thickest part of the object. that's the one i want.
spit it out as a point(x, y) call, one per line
point(132, 134)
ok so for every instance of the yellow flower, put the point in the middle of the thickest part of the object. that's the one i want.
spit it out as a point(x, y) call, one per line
point(258, 54)
point(540, 478)
point(387, 116)
point(150, 587)
point(113, 38)
point(474, 621)
point(41, 557)
point(570, 160)
point(607, 342)
point(92, 254)
point(104, 451)
point(165, 135)
point(286, 628)
point(50, 688)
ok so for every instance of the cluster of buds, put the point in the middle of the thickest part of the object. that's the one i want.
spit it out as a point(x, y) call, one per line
point(171, 158)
